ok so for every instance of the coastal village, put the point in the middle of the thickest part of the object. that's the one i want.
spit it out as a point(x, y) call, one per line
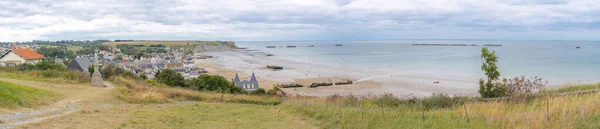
point(180, 60)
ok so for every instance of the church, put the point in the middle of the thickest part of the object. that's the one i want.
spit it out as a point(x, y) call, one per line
point(247, 85)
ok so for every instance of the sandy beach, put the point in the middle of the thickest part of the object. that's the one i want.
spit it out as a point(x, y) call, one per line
point(367, 80)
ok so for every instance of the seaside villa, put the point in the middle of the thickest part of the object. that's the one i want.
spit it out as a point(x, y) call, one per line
point(247, 85)
point(18, 56)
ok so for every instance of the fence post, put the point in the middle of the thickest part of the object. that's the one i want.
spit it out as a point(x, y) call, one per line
point(466, 113)
point(547, 108)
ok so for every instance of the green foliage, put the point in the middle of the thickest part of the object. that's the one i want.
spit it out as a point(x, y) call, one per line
point(171, 78)
point(212, 83)
point(56, 52)
point(259, 91)
point(492, 87)
point(112, 70)
point(143, 77)
point(42, 65)
point(119, 57)
point(91, 70)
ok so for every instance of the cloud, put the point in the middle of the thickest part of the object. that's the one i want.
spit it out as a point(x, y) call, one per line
point(297, 19)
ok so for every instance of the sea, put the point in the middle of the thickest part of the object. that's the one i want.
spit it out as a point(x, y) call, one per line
point(555, 61)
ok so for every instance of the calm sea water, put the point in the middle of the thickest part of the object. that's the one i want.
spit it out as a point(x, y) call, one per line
point(556, 61)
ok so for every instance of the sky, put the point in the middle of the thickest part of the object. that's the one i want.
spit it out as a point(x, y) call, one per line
point(287, 20)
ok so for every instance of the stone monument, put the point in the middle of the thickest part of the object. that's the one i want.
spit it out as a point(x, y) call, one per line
point(96, 76)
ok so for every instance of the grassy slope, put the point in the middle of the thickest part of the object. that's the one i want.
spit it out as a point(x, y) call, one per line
point(202, 115)
point(141, 92)
point(14, 96)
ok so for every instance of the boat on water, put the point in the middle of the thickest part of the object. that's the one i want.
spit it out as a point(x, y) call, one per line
point(577, 47)
point(291, 46)
point(270, 46)
point(339, 44)
point(311, 46)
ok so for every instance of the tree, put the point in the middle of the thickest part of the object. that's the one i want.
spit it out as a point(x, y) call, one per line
point(171, 78)
point(492, 87)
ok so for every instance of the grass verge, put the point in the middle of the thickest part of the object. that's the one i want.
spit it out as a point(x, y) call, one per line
point(14, 96)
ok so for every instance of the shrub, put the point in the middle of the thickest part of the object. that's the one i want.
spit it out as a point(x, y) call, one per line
point(259, 91)
point(143, 77)
point(112, 70)
point(171, 78)
point(212, 83)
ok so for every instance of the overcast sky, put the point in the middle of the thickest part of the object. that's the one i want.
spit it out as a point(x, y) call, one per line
point(269, 20)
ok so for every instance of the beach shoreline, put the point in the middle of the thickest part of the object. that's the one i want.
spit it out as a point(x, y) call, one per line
point(367, 80)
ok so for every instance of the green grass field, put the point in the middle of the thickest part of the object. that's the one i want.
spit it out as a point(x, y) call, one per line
point(15, 96)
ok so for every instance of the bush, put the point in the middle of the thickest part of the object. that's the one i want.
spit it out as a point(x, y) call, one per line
point(212, 83)
point(259, 91)
point(143, 77)
point(112, 70)
point(171, 78)
point(521, 85)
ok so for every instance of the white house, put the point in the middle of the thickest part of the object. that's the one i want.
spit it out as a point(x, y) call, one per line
point(18, 56)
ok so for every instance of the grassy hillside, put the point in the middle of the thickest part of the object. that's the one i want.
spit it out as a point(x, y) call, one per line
point(14, 96)
point(134, 91)
point(546, 112)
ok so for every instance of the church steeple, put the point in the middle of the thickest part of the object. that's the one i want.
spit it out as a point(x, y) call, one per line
point(253, 78)
point(236, 78)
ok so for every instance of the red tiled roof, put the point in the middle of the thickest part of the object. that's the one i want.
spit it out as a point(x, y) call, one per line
point(27, 53)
